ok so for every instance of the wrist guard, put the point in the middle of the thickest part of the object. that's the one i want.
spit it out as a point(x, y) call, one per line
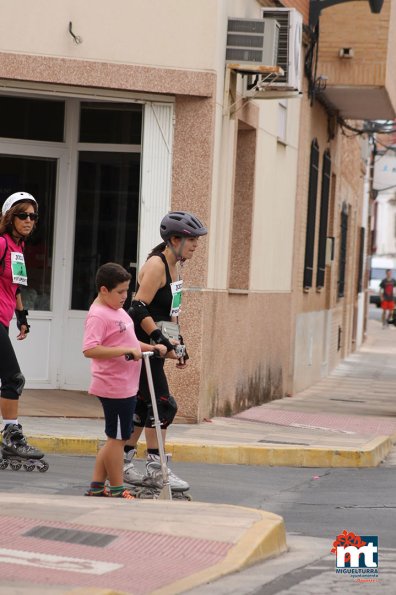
point(21, 319)
point(158, 337)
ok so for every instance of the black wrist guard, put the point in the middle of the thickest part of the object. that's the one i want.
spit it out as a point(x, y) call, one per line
point(158, 337)
point(21, 319)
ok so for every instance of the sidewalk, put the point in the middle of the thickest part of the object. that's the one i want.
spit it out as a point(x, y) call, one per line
point(75, 545)
point(346, 420)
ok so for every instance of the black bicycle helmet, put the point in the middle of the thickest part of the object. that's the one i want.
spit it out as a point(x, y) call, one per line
point(181, 223)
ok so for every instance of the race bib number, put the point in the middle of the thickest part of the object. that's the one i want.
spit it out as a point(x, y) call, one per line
point(18, 268)
point(176, 288)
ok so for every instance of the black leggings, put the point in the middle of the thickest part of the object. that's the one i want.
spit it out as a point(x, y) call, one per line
point(12, 381)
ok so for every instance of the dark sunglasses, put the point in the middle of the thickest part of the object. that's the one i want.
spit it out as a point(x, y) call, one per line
point(24, 216)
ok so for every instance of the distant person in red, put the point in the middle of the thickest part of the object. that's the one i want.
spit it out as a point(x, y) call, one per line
point(387, 286)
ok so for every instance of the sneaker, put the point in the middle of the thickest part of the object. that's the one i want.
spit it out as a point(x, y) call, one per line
point(125, 494)
point(131, 474)
point(15, 443)
point(154, 475)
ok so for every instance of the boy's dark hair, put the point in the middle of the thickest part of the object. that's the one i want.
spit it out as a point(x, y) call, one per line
point(110, 275)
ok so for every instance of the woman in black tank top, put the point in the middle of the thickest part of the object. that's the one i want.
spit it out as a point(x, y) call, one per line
point(158, 299)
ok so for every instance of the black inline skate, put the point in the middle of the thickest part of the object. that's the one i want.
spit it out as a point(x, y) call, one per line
point(17, 453)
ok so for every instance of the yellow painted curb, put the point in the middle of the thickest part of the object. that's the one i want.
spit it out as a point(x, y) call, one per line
point(369, 455)
point(65, 445)
point(265, 539)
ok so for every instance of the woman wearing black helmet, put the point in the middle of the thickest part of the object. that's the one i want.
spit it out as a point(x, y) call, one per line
point(18, 219)
point(158, 300)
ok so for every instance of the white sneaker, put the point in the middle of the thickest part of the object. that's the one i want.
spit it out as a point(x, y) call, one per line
point(131, 474)
point(154, 475)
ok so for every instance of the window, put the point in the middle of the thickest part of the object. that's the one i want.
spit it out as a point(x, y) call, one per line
point(32, 119)
point(119, 123)
point(108, 187)
point(343, 251)
point(361, 260)
point(311, 214)
point(106, 218)
point(324, 213)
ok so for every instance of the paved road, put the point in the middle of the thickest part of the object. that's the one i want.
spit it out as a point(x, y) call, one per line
point(316, 504)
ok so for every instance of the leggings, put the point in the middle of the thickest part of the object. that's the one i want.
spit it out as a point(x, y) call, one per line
point(12, 381)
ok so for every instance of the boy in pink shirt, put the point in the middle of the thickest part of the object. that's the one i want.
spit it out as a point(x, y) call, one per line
point(110, 340)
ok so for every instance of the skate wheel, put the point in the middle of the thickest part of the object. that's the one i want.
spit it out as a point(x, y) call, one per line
point(3, 463)
point(43, 467)
point(28, 466)
point(181, 496)
point(15, 465)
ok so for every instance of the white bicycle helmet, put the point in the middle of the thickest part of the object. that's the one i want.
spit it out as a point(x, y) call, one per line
point(17, 197)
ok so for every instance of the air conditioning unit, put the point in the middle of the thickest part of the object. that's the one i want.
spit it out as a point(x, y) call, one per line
point(252, 41)
point(289, 47)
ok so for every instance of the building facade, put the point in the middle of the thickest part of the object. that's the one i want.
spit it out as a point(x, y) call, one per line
point(115, 117)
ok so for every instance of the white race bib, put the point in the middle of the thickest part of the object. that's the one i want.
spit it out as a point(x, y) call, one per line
point(176, 288)
point(18, 268)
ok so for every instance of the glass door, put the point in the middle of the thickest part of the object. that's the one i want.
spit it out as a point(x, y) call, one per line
point(36, 175)
point(107, 213)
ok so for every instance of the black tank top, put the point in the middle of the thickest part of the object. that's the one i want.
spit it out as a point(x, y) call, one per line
point(160, 304)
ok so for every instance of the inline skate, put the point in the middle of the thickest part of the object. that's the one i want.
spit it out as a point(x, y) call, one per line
point(16, 453)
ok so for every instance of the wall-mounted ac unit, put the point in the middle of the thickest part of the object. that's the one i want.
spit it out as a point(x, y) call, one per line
point(289, 47)
point(252, 41)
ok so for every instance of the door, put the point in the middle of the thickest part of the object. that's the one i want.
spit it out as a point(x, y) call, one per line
point(39, 173)
point(101, 172)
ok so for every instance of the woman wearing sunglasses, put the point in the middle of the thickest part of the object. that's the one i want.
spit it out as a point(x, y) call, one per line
point(18, 219)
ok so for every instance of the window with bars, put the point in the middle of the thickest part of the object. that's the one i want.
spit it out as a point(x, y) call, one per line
point(311, 214)
point(343, 251)
point(361, 260)
point(324, 214)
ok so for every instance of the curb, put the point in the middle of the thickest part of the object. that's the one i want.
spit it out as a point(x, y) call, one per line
point(369, 455)
point(265, 539)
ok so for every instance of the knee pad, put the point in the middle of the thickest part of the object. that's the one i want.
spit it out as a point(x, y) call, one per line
point(167, 409)
point(141, 413)
point(12, 386)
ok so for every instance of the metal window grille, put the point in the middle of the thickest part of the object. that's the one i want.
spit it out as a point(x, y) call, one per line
point(324, 214)
point(311, 214)
point(361, 260)
point(343, 252)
